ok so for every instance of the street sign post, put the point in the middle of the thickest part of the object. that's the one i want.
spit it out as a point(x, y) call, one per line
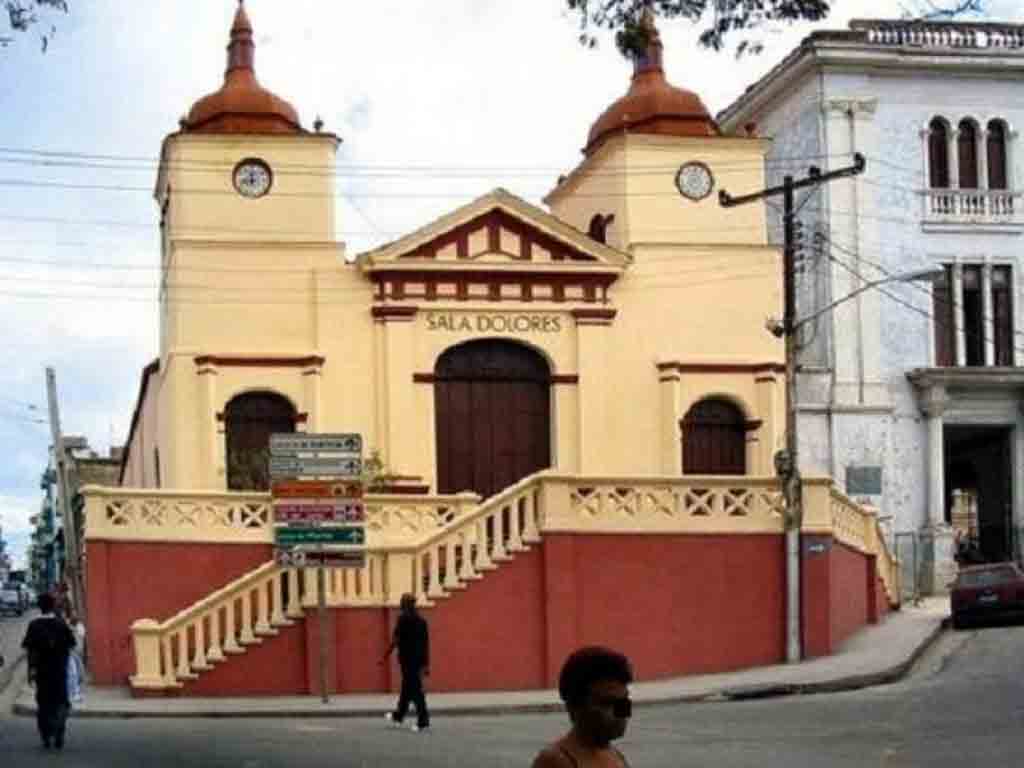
point(316, 489)
point(317, 536)
point(321, 523)
point(315, 466)
point(285, 444)
point(294, 513)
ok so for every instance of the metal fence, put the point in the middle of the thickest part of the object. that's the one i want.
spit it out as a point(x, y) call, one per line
point(916, 554)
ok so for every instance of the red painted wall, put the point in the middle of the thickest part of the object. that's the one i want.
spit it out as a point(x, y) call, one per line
point(134, 580)
point(849, 594)
point(674, 604)
point(275, 667)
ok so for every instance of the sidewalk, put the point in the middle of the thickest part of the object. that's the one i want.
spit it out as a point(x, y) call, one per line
point(876, 655)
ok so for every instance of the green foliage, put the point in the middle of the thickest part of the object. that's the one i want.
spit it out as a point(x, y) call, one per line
point(725, 21)
point(23, 15)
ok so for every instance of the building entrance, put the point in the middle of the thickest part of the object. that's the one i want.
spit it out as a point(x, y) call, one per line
point(493, 407)
point(979, 500)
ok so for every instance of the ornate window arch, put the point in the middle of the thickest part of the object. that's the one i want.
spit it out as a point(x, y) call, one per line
point(967, 154)
point(714, 438)
point(249, 421)
point(995, 148)
point(938, 153)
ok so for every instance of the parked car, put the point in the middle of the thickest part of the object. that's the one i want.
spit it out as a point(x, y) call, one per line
point(12, 601)
point(986, 591)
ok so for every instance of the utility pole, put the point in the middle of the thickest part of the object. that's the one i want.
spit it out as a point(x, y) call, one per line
point(786, 462)
point(72, 561)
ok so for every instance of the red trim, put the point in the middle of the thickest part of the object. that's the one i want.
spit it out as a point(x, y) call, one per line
point(558, 378)
point(594, 314)
point(387, 312)
point(722, 367)
point(393, 284)
point(260, 362)
point(148, 371)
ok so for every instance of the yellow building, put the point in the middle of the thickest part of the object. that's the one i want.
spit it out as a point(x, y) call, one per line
point(621, 332)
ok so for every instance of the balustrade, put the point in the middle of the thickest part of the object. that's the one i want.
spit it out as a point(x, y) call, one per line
point(971, 206)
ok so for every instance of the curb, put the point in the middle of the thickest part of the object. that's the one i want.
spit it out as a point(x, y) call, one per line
point(887, 676)
point(8, 671)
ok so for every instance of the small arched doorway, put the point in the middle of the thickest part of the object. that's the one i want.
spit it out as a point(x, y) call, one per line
point(249, 421)
point(492, 404)
point(714, 439)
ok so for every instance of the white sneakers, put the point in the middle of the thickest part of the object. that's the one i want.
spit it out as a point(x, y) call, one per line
point(390, 718)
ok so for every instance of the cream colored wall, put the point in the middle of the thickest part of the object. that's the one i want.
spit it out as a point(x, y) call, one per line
point(198, 170)
point(140, 465)
point(691, 303)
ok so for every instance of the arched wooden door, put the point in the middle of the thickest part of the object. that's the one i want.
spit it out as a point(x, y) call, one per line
point(250, 420)
point(714, 439)
point(493, 416)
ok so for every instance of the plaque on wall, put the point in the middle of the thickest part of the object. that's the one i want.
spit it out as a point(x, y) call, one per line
point(863, 481)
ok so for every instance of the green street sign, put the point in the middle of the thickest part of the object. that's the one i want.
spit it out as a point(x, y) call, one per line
point(327, 534)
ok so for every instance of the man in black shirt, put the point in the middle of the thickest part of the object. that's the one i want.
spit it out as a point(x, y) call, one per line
point(412, 639)
point(48, 642)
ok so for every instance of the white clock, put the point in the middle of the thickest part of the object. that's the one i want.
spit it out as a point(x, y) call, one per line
point(252, 178)
point(694, 181)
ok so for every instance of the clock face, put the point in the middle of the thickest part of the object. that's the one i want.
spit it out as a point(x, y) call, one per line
point(694, 181)
point(252, 178)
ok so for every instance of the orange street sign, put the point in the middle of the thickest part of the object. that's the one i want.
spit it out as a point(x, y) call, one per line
point(316, 489)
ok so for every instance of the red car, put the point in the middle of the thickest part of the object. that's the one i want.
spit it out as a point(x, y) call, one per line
point(985, 591)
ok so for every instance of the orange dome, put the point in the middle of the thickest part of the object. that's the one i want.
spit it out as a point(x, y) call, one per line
point(242, 105)
point(652, 105)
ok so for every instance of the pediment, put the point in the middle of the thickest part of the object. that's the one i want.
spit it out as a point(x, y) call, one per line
point(496, 232)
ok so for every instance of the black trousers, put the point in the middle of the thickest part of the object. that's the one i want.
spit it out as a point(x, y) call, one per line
point(412, 692)
point(51, 715)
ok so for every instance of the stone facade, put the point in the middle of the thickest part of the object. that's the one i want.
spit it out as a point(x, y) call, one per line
point(875, 89)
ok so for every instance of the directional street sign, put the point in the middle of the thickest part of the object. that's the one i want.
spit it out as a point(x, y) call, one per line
point(316, 489)
point(327, 534)
point(338, 512)
point(342, 466)
point(337, 559)
point(290, 558)
point(294, 444)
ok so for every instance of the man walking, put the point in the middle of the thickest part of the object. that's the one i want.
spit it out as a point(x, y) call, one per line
point(48, 642)
point(412, 639)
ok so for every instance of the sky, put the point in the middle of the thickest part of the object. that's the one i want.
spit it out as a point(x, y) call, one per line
point(436, 101)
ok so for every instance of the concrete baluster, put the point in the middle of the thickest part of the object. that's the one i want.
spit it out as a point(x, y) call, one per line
point(466, 546)
point(498, 552)
point(199, 658)
point(230, 632)
point(515, 538)
point(483, 555)
point(275, 584)
point(451, 578)
point(262, 610)
point(184, 671)
point(530, 533)
point(146, 639)
point(215, 653)
point(434, 588)
point(247, 637)
point(167, 661)
point(294, 610)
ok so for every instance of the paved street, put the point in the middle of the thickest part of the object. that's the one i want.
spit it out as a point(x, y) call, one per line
point(963, 705)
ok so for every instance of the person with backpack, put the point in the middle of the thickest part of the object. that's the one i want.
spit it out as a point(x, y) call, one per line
point(48, 643)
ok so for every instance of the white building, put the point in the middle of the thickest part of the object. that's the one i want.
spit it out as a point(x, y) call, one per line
point(911, 394)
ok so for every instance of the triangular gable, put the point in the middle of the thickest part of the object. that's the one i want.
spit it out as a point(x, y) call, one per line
point(494, 230)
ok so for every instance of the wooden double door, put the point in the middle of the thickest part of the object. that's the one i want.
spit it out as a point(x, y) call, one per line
point(492, 402)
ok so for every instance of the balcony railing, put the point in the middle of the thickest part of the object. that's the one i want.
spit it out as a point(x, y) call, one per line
point(971, 206)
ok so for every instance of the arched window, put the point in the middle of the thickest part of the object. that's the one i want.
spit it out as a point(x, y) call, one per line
point(250, 420)
point(714, 439)
point(967, 154)
point(938, 154)
point(996, 147)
